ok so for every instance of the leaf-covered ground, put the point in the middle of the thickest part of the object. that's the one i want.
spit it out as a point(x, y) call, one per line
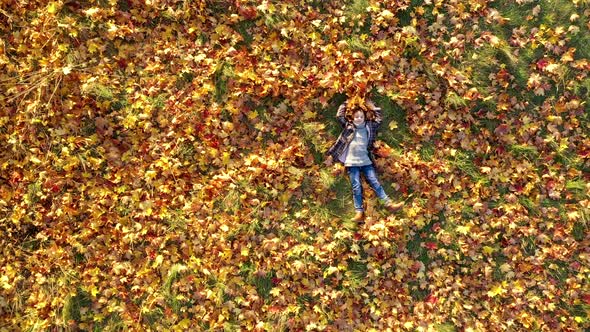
point(161, 165)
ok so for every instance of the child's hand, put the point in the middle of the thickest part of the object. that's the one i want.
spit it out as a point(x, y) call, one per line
point(370, 104)
point(329, 161)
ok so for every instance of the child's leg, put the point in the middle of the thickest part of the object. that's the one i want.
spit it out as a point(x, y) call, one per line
point(371, 176)
point(357, 189)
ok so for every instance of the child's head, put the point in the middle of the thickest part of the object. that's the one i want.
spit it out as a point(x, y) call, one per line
point(358, 117)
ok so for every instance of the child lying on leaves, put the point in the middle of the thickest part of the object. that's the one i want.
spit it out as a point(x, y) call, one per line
point(354, 149)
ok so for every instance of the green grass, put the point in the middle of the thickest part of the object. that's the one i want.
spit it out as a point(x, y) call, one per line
point(418, 293)
point(529, 205)
point(577, 188)
point(445, 327)
point(582, 88)
point(263, 284)
point(341, 205)
point(357, 17)
point(100, 91)
point(223, 72)
point(528, 246)
point(463, 160)
point(427, 151)
point(312, 133)
point(243, 28)
point(565, 156)
point(579, 230)
point(356, 272)
point(497, 274)
point(184, 79)
point(554, 12)
point(557, 269)
point(34, 193)
point(393, 114)
point(454, 100)
point(74, 304)
point(356, 44)
point(174, 274)
point(524, 151)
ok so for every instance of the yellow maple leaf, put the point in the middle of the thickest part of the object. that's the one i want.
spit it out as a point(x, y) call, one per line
point(52, 8)
point(497, 290)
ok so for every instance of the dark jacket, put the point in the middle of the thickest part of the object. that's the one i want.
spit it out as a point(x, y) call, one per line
point(347, 134)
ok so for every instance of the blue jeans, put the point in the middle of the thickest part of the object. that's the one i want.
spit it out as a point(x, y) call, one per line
point(370, 175)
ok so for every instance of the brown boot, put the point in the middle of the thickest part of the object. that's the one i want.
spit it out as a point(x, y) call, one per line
point(359, 216)
point(392, 207)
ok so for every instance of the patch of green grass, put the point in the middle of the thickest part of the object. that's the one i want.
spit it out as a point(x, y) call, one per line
point(414, 246)
point(318, 5)
point(577, 188)
point(254, 226)
point(176, 221)
point(445, 327)
point(529, 205)
point(153, 316)
point(123, 5)
point(357, 7)
point(463, 160)
point(275, 20)
point(34, 193)
point(565, 156)
point(580, 312)
point(231, 200)
point(582, 88)
point(555, 12)
point(580, 228)
point(453, 100)
point(100, 91)
point(405, 16)
point(184, 79)
point(356, 272)
point(426, 151)
point(481, 63)
point(497, 274)
point(559, 270)
point(174, 274)
point(313, 138)
point(467, 213)
point(290, 228)
point(342, 203)
point(87, 128)
point(185, 152)
point(528, 245)
point(356, 44)
point(223, 72)
point(246, 269)
point(73, 305)
point(394, 129)
point(524, 151)
point(306, 299)
point(263, 284)
point(417, 293)
point(243, 28)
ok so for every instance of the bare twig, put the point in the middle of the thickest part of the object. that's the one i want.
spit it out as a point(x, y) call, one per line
point(59, 79)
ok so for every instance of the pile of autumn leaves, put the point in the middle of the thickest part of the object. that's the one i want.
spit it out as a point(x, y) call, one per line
point(162, 167)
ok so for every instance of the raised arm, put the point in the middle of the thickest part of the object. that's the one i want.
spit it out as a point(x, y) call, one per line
point(341, 114)
point(376, 111)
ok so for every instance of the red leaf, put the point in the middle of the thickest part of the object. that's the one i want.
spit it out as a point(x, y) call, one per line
point(431, 299)
point(431, 245)
point(541, 64)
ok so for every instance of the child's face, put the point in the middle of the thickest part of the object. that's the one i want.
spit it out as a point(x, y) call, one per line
point(358, 118)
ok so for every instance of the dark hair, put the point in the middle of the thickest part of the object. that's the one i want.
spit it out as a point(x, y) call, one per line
point(369, 115)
